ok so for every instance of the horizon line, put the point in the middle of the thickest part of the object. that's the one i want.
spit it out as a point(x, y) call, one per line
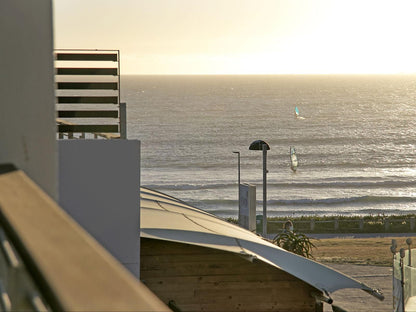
point(297, 74)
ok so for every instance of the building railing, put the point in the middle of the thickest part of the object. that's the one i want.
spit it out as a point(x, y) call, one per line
point(88, 94)
point(18, 290)
point(49, 263)
point(404, 277)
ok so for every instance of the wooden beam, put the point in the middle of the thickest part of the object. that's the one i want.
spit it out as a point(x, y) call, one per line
point(87, 86)
point(88, 128)
point(87, 99)
point(87, 71)
point(88, 114)
point(86, 57)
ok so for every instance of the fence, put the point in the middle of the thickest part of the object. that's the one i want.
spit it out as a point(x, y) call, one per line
point(88, 94)
point(348, 225)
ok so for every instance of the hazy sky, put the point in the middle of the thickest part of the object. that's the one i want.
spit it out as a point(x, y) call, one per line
point(244, 36)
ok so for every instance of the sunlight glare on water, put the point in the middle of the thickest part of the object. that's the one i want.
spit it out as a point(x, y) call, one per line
point(355, 143)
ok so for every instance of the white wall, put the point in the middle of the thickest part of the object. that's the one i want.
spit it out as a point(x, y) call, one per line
point(99, 186)
point(27, 103)
point(100, 179)
point(247, 212)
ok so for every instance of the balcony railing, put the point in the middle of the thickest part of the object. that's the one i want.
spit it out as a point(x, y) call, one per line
point(88, 94)
point(49, 263)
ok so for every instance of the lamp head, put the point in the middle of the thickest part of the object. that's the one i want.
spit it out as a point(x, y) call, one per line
point(258, 145)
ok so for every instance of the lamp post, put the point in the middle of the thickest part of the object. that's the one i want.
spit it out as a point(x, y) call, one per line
point(260, 145)
point(409, 242)
point(402, 255)
point(239, 197)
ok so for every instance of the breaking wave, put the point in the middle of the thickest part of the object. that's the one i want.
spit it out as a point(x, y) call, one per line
point(300, 185)
point(358, 200)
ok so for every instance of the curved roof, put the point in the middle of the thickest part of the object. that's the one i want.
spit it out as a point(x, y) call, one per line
point(167, 218)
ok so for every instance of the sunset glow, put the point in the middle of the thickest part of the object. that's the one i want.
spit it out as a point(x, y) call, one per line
point(244, 36)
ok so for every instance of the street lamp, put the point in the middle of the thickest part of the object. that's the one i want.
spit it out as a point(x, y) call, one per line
point(239, 197)
point(409, 242)
point(260, 145)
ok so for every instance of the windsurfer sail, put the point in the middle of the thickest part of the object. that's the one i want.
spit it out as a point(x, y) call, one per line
point(293, 159)
point(297, 115)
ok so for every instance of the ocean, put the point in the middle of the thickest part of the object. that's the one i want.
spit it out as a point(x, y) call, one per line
point(355, 143)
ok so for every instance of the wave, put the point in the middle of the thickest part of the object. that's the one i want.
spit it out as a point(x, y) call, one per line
point(336, 166)
point(190, 186)
point(346, 184)
point(301, 185)
point(357, 200)
point(305, 164)
point(233, 213)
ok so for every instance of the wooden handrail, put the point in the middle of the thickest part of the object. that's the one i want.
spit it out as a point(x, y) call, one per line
point(70, 269)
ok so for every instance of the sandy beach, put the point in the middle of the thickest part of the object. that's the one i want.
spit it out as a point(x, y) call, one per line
point(374, 276)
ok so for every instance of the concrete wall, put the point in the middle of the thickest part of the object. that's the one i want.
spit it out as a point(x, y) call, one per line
point(27, 103)
point(99, 186)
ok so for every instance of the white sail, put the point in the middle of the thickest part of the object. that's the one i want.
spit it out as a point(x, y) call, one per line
point(293, 159)
point(297, 115)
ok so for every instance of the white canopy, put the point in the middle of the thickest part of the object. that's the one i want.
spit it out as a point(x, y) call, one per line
point(167, 218)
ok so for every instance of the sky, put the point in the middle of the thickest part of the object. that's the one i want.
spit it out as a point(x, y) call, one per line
point(244, 36)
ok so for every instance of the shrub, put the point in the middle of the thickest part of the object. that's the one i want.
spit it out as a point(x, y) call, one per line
point(297, 243)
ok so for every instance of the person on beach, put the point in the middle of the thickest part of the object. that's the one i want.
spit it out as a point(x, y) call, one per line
point(288, 227)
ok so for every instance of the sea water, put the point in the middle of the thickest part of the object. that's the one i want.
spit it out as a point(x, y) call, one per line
point(355, 141)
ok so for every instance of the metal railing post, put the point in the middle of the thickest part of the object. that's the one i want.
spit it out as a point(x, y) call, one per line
point(409, 243)
point(361, 224)
point(312, 224)
point(402, 254)
point(123, 121)
point(264, 147)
